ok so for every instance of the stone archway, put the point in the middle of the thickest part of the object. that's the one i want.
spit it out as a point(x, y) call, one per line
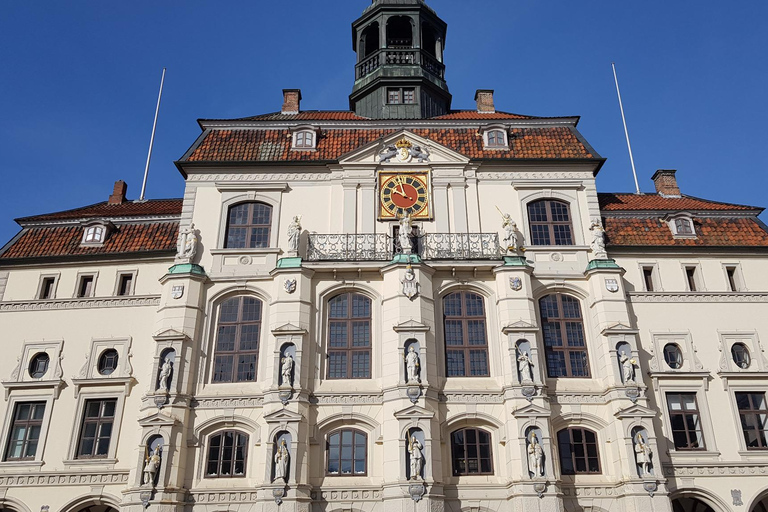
point(96, 508)
point(760, 506)
point(690, 504)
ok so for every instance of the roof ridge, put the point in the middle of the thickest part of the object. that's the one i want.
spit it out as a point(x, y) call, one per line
point(100, 204)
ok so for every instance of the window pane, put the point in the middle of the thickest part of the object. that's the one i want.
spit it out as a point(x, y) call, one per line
point(361, 334)
point(246, 368)
point(361, 365)
point(556, 364)
point(222, 368)
point(337, 365)
point(452, 305)
point(361, 306)
point(225, 341)
point(454, 334)
point(476, 332)
point(474, 305)
point(228, 310)
point(338, 306)
point(455, 363)
point(478, 362)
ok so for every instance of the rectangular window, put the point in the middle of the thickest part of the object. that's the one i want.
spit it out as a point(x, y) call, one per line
point(397, 96)
point(685, 421)
point(730, 272)
point(85, 286)
point(648, 278)
point(96, 430)
point(753, 413)
point(690, 277)
point(409, 96)
point(125, 284)
point(25, 431)
point(48, 288)
point(393, 96)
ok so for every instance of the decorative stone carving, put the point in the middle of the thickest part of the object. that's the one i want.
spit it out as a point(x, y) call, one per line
point(416, 457)
point(412, 365)
point(628, 366)
point(278, 494)
point(643, 454)
point(294, 236)
point(404, 235)
point(650, 488)
point(151, 466)
point(515, 283)
point(509, 241)
point(524, 365)
point(410, 285)
point(282, 457)
point(286, 369)
point(540, 488)
point(186, 244)
point(289, 285)
point(164, 382)
point(598, 240)
point(535, 456)
point(403, 151)
point(736, 496)
point(417, 491)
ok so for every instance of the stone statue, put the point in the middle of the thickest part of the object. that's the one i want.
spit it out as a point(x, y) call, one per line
point(294, 234)
point(535, 456)
point(413, 365)
point(509, 242)
point(628, 368)
point(524, 364)
point(286, 369)
point(163, 382)
point(281, 462)
point(186, 243)
point(598, 240)
point(410, 286)
point(416, 456)
point(643, 453)
point(151, 465)
point(405, 233)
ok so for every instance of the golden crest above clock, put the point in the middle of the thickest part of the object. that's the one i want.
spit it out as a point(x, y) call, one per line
point(404, 192)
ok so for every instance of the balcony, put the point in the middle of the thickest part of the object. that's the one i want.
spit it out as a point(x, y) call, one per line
point(399, 57)
point(383, 247)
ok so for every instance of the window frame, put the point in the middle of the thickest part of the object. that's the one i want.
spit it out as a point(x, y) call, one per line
point(118, 282)
point(29, 423)
point(400, 91)
point(106, 356)
point(84, 420)
point(684, 413)
point(350, 349)
point(691, 278)
point(249, 228)
point(299, 139)
point(236, 352)
point(233, 459)
point(454, 470)
point(572, 452)
point(466, 348)
point(680, 359)
point(550, 224)
point(354, 431)
point(32, 360)
point(500, 140)
point(101, 234)
point(81, 277)
point(734, 279)
point(752, 412)
point(562, 322)
point(44, 278)
point(15, 398)
point(673, 221)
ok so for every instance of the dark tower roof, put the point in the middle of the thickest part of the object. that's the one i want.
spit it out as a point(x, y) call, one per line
point(376, 3)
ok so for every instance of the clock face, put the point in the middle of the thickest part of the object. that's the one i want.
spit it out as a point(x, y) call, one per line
point(403, 193)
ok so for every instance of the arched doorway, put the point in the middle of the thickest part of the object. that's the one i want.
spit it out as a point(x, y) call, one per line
point(761, 506)
point(97, 508)
point(688, 504)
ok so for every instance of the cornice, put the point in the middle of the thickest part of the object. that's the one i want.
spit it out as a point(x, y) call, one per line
point(81, 303)
point(63, 478)
point(694, 297)
point(386, 124)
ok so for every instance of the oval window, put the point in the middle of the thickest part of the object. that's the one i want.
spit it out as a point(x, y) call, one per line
point(740, 355)
point(108, 362)
point(673, 356)
point(39, 365)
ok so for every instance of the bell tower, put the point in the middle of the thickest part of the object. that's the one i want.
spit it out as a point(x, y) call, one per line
point(399, 72)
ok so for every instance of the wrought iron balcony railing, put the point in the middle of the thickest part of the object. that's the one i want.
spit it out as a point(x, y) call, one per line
point(399, 56)
point(382, 247)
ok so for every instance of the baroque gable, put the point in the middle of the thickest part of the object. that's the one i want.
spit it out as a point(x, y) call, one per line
point(418, 151)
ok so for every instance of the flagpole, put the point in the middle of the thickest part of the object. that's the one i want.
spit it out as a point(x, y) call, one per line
point(152, 139)
point(626, 133)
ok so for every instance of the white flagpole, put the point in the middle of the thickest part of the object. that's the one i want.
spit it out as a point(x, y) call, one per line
point(626, 133)
point(152, 139)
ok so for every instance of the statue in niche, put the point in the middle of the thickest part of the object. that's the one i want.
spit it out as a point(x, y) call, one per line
point(294, 235)
point(509, 242)
point(627, 368)
point(535, 456)
point(416, 457)
point(281, 462)
point(186, 244)
point(412, 365)
point(164, 382)
point(410, 286)
point(643, 453)
point(404, 234)
point(151, 466)
point(286, 368)
point(524, 365)
point(598, 240)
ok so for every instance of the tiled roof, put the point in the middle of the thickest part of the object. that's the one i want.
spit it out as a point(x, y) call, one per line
point(275, 145)
point(62, 241)
point(655, 202)
point(711, 232)
point(309, 115)
point(150, 207)
point(475, 115)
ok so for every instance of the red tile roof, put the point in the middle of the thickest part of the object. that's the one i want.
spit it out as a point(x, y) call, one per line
point(275, 145)
point(308, 115)
point(711, 232)
point(655, 202)
point(61, 241)
point(152, 207)
point(475, 115)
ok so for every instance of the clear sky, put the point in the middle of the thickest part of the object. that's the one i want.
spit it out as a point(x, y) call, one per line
point(79, 83)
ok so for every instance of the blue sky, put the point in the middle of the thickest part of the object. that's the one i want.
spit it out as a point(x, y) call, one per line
point(79, 82)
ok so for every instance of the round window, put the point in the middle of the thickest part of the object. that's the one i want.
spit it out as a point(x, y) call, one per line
point(740, 355)
point(39, 365)
point(673, 356)
point(108, 362)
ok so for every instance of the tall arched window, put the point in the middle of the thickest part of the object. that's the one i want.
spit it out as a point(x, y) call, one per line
point(578, 451)
point(471, 452)
point(248, 226)
point(466, 344)
point(227, 451)
point(238, 329)
point(550, 222)
point(346, 453)
point(564, 340)
point(349, 337)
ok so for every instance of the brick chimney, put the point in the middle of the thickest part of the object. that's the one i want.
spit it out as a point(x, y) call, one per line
point(484, 99)
point(666, 183)
point(118, 193)
point(291, 101)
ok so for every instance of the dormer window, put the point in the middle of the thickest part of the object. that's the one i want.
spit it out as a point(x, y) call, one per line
point(495, 138)
point(94, 234)
point(305, 137)
point(682, 226)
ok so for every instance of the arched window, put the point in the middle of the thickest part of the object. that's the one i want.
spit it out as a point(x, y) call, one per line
point(496, 139)
point(550, 222)
point(227, 451)
point(369, 39)
point(399, 32)
point(471, 452)
point(466, 344)
point(237, 340)
point(578, 451)
point(564, 341)
point(304, 139)
point(248, 226)
point(346, 453)
point(349, 337)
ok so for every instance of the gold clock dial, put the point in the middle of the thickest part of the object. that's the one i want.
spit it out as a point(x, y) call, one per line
point(404, 193)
